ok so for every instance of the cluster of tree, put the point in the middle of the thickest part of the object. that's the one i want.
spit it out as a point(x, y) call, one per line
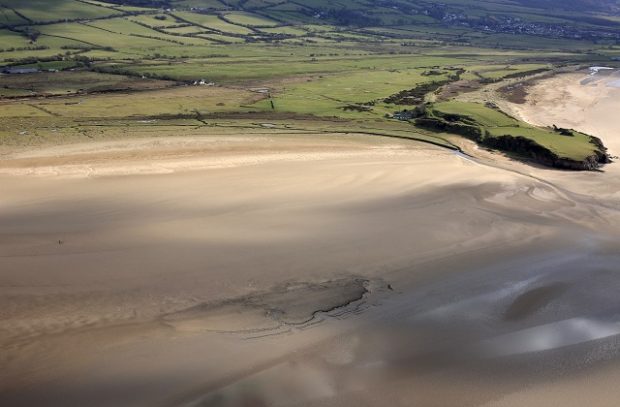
point(34, 60)
point(450, 124)
point(114, 70)
point(563, 131)
point(357, 108)
point(33, 48)
point(31, 33)
point(154, 37)
point(416, 95)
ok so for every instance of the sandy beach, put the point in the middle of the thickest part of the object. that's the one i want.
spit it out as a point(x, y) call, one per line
point(584, 102)
point(306, 270)
point(580, 100)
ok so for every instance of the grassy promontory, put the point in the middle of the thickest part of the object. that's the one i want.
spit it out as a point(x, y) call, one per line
point(490, 127)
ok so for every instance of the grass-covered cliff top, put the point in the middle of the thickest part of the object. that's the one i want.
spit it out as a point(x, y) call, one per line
point(489, 126)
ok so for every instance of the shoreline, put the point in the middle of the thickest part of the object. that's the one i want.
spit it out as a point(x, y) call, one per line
point(173, 154)
point(570, 100)
point(551, 147)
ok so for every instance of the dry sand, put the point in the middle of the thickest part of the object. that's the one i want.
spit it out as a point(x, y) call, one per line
point(578, 100)
point(299, 270)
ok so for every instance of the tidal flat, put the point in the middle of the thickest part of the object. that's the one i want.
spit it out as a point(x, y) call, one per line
point(306, 270)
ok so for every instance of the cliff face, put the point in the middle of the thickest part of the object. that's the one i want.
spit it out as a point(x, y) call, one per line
point(472, 132)
point(542, 155)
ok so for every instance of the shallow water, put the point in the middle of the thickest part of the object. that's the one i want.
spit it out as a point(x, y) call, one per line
point(615, 84)
point(450, 328)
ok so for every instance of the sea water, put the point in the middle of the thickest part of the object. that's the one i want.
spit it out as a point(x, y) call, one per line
point(596, 69)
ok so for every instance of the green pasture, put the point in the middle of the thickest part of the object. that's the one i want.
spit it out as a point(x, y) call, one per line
point(188, 100)
point(250, 19)
point(477, 112)
point(576, 147)
point(57, 10)
point(285, 66)
point(64, 83)
point(330, 95)
point(213, 22)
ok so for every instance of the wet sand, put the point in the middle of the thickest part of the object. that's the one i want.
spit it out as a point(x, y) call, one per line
point(589, 103)
point(302, 270)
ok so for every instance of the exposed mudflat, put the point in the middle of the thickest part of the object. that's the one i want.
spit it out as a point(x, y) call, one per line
point(304, 270)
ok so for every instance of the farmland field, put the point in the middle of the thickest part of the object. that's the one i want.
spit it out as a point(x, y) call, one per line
point(303, 66)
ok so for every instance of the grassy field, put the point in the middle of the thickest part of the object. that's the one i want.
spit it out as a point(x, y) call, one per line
point(38, 11)
point(331, 95)
point(480, 114)
point(250, 19)
point(69, 83)
point(189, 101)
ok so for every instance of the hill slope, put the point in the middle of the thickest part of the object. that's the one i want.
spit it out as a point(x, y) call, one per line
point(349, 64)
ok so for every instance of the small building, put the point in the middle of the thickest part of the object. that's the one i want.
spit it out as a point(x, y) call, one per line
point(404, 115)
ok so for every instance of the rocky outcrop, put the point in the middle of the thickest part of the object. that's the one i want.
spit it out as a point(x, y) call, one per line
point(520, 145)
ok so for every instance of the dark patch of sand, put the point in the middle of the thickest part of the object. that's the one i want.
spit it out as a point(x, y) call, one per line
point(285, 305)
point(533, 300)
